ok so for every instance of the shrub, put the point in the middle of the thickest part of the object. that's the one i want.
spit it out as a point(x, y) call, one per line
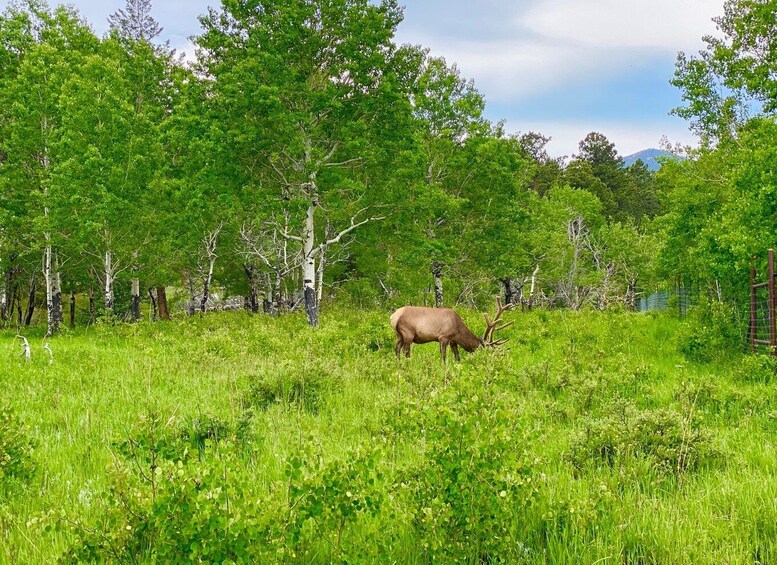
point(163, 505)
point(710, 332)
point(16, 450)
point(476, 481)
point(758, 369)
point(671, 443)
point(306, 387)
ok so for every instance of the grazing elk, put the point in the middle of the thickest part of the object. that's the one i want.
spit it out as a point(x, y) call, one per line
point(419, 324)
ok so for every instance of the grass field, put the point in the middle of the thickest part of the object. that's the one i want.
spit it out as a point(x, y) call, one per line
point(229, 438)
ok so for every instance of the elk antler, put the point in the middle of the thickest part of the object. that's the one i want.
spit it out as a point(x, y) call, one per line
point(491, 329)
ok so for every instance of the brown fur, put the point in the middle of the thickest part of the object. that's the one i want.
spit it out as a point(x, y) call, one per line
point(419, 324)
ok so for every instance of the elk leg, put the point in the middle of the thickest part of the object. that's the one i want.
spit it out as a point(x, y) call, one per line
point(443, 348)
point(406, 348)
point(455, 349)
point(398, 346)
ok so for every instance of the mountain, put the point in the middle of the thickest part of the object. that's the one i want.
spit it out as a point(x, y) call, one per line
point(649, 157)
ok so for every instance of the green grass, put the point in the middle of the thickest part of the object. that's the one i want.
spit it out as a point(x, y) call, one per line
point(588, 438)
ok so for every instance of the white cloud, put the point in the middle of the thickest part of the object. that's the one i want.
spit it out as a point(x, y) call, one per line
point(660, 24)
point(554, 42)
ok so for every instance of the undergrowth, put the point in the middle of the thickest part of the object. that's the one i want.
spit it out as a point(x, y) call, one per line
point(231, 438)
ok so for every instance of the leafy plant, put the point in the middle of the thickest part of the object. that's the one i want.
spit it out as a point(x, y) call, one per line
point(17, 465)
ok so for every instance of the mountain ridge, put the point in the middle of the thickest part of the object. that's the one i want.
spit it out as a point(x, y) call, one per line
point(648, 156)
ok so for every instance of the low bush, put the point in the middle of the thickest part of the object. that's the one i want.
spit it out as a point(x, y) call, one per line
point(710, 332)
point(671, 443)
point(470, 494)
point(165, 505)
point(304, 386)
point(17, 465)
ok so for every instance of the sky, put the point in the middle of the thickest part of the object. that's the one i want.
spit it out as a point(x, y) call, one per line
point(562, 68)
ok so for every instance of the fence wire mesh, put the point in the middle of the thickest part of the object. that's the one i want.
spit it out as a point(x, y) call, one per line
point(664, 299)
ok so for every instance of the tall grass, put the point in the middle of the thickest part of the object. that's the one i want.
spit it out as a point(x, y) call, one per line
point(588, 438)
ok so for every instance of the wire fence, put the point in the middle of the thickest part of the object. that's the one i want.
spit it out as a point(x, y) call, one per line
point(763, 328)
point(680, 299)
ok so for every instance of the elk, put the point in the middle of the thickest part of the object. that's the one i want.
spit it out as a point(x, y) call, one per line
point(419, 324)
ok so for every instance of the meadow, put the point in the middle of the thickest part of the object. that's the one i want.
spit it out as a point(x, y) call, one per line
point(588, 438)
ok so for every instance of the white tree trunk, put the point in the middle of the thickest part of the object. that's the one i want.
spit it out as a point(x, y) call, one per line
point(210, 241)
point(49, 279)
point(135, 287)
point(320, 275)
point(108, 289)
point(309, 264)
point(438, 294)
point(56, 294)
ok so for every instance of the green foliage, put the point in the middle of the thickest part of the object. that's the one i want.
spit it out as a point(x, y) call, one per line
point(477, 478)
point(733, 74)
point(166, 505)
point(17, 449)
point(671, 442)
point(306, 387)
point(711, 331)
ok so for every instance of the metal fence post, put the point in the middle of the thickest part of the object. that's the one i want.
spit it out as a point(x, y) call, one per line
point(753, 306)
point(772, 327)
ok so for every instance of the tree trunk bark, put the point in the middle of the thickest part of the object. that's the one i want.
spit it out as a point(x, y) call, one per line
point(135, 299)
point(108, 290)
point(153, 304)
point(206, 288)
point(49, 294)
point(631, 294)
point(57, 297)
point(161, 299)
point(31, 301)
point(135, 288)
point(7, 300)
point(320, 275)
point(53, 290)
point(72, 309)
point(509, 290)
point(438, 295)
point(253, 294)
point(309, 265)
point(91, 305)
point(191, 304)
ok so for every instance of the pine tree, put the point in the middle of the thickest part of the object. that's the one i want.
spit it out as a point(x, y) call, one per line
point(135, 22)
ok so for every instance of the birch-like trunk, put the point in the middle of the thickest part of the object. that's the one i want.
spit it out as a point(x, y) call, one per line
point(153, 304)
point(49, 276)
point(6, 299)
point(135, 298)
point(191, 305)
point(531, 288)
point(50, 271)
point(56, 295)
point(108, 289)
point(320, 275)
point(210, 242)
point(31, 300)
point(438, 295)
point(268, 304)
point(253, 294)
point(309, 264)
point(135, 283)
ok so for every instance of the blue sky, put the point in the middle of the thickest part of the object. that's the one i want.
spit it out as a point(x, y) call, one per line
point(560, 67)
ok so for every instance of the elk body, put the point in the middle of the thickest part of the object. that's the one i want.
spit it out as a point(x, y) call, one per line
point(419, 324)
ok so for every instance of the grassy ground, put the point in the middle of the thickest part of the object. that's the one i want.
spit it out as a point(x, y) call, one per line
point(587, 438)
